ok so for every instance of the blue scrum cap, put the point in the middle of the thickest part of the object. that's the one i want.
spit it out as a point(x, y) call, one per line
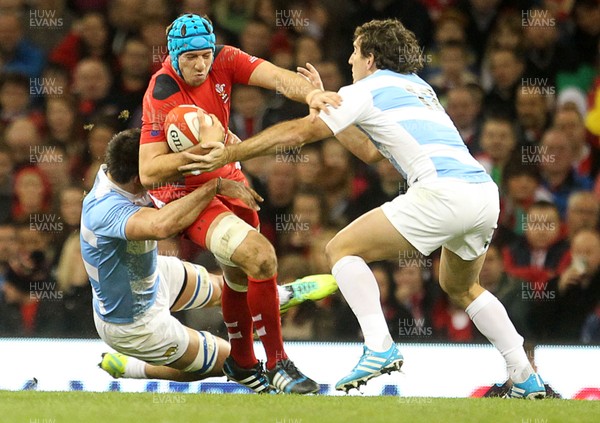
point(187, 33)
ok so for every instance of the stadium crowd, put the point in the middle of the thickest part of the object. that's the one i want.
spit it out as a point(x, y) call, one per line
point(520, 80)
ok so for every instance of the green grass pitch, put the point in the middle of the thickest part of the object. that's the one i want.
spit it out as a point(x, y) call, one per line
point(116, 407)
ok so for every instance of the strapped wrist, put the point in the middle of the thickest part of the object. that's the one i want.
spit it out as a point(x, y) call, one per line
point(218, 188)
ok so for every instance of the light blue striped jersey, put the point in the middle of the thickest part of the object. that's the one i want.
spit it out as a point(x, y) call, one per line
point(405, 121)
point(123, 273)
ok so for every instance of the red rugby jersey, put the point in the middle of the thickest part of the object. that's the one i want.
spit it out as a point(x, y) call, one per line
point(168, 90)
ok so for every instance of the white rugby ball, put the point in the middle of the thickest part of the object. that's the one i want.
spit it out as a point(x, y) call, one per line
point(182, 128)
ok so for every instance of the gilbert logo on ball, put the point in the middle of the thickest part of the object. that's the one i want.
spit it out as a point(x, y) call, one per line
point(182, 127)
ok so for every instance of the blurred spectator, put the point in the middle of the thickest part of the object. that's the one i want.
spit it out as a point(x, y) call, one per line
point(481, 18)
point(32, 196)
point(583, 212)
point(232, 15)
point(507, 289)
point(6, 184)
point(91, 84)
point(14, 98)
point(310, 167)
point(8, 240)
point(558, 173)
point(586, 16)
point(574, 294)
point(533, 113)
point(412, 321)
point(275, 213)
point(308, 219)
point(590, 334)
point(498, 143)
point(152, 32)
point(330, 75)
point(506, 71)
point(125, 18)
point(69, 211)
point(247, 110)
point(546, 53)
point(382, 270)
point(75, 289)
point(53, 162)
point(62, 124)
point(49, 22)
point(89, 39)
point(308, 50)
point(450, 28)
point(198, 7)
point(30, 304)
point(17, 54)
point(571, 123)
point(506, 35)
point(24, 139)
point(451, 323)
point(454, 70)
point(522, 188)
point(255, 39)
point(541, 253)
point(85, 167)
point(132, 81)
point(464, 104)
point(389, 184)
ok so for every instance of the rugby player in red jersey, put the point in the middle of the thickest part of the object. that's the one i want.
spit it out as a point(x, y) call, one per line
point(199, 72)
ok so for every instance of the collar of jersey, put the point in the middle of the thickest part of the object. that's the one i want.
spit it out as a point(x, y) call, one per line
point(139, 199)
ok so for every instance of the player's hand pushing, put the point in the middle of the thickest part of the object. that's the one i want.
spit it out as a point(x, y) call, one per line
point(319, 98)
point(235, 189)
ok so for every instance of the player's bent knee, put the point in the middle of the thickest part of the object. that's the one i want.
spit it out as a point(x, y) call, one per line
point(207, 356)
point(257, 256)
point(334, 251)
point(227, 236)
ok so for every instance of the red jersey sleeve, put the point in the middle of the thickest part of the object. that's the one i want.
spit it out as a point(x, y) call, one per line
point(238, 63)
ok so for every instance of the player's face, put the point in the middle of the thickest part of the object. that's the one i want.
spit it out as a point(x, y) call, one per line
point(194, 66)
point(360, 64)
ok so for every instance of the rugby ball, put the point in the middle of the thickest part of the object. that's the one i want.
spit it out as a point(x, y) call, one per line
point(182, 128)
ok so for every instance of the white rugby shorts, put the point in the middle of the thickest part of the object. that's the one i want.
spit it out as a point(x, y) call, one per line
point(457, 215)
point(156, 337)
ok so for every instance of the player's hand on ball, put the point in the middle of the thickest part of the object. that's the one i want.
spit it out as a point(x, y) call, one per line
point(235, 189)
point(217, 157)
point(210, 127)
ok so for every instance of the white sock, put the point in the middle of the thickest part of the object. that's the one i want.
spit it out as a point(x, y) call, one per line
point(360, 289)
point(489, 315)
point(284, 294)
point(135, 368)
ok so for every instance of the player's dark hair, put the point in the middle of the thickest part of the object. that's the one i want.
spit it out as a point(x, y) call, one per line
point(122, 156)
point(392, 45)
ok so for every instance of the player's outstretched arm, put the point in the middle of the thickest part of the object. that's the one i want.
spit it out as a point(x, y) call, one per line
point(148, 223)
point(293, 86)
point(286, 134)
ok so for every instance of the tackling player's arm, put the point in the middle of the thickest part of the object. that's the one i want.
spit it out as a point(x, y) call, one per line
point(292, 133)
point(148, 223)
point(293, 86)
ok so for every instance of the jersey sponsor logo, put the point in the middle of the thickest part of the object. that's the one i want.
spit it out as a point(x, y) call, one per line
point(155, 133)
point(220, 88)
